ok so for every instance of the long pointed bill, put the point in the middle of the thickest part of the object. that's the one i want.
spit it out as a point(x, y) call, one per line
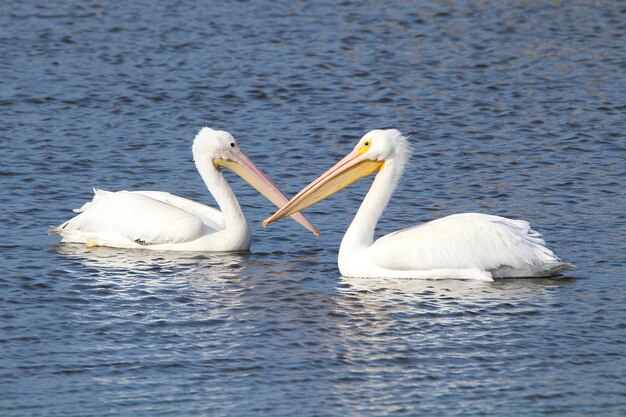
point(242, 166)
point(345, 172)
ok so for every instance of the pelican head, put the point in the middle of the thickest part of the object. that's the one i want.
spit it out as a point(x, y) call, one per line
point(212, 144)
point(219, 149)
point(370, 155)
point(381, 145)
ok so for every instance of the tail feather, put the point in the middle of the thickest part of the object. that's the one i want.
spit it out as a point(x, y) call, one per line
point(68, 235)
point(97, 194)
point(59, 229)
point(543, 270)
point(561, 266)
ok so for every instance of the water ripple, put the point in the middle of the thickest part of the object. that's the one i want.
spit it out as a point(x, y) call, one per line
point(513, 109)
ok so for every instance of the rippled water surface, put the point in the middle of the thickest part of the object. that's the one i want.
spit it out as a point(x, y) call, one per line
point(513, 108)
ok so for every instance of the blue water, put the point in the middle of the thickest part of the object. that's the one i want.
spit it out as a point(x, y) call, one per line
point(513, 108)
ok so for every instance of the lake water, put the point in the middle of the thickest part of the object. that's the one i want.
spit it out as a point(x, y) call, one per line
point(513, 108)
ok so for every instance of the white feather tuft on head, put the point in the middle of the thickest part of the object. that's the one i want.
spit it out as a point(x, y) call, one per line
point(210, 143)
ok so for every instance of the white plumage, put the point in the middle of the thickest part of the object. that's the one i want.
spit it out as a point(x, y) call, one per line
point(158, 220)
point(464, 246)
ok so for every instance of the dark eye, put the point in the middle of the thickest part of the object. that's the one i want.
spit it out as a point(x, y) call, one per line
point(232, 144)
point(367, 144)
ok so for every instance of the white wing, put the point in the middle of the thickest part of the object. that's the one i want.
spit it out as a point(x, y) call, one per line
point(466, 240)
point(139, 217)
point(211, 216)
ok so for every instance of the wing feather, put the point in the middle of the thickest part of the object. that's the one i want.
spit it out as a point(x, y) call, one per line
point(211, 216)
point(466, 240)
point(137, 217)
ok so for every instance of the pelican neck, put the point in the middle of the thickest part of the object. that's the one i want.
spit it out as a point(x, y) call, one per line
point(361, 231)
point(222, 193)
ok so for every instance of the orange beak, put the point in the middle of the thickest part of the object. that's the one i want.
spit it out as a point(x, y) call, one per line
point(242, 166)
point(345, 172)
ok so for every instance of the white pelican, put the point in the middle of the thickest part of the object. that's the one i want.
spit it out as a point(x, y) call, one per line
point(463, 246)
point(161, 221)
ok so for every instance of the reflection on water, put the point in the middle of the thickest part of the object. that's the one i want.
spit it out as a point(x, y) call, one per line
point(464, 290)
point(109, 260)
point(197, 275)
point(407, 327)
point(387, 306)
